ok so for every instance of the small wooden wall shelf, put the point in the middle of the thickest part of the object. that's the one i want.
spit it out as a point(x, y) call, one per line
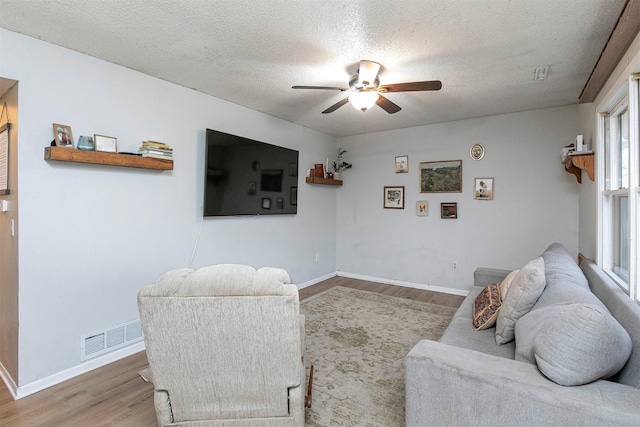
point(576, 163)
point(323, 181)
point(101, 158)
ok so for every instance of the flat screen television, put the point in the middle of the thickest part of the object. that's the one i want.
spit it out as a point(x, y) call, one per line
point(248, 177)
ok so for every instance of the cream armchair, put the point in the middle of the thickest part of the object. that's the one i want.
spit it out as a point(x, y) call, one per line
point(225, 346)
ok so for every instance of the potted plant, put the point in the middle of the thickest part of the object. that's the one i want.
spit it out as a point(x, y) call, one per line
point(339, 165)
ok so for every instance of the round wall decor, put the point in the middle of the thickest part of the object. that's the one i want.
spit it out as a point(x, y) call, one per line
point(476, 152)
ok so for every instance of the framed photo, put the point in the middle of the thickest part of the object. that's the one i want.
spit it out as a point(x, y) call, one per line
point(402, 164)
point(393, 197)
point(266, 203)
point(105, 143)
point(63, 136)
point(422, 208)
point(483, 189)
point(441, 177)
point(448, 210)
point(293, 196)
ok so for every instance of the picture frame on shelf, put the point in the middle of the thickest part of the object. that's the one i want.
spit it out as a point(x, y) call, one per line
point(448, 210)
point(483, 189)
point(402, 164)
point(63, 135)
point(107, 144)
point(422, 208)
point(393, 197)
point(441, 176)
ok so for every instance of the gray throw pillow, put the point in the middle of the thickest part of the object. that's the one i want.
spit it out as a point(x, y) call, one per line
point(581, 343)
point(523, 293)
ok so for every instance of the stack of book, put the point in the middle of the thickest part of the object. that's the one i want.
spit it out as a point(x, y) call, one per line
point(158, 150)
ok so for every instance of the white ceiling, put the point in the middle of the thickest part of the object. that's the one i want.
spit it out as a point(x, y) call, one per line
point(251, 52)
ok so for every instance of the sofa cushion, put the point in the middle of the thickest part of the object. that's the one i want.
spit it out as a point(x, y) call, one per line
point(525, 289)
point(527, 329)
point(460, 332)
point(580, 343)
point(486, 307)
point(504, 285)
point(561, 267)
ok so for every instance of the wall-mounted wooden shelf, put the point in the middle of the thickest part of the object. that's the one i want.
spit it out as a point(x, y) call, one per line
point(64, 154)
point(576, 163)
point(323, 181)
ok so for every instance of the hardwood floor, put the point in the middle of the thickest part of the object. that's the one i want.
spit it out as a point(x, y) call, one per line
point(115, 395)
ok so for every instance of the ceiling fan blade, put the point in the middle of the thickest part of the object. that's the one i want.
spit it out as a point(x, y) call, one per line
point(335, 106)
point(411, 86)
point(367, 73)
point(320, 87)
point(387, 105)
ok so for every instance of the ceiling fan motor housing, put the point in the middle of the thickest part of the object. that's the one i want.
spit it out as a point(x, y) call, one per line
point(357, 86)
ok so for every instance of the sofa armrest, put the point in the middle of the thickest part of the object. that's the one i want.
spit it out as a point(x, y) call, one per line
point(453, 386)
point(483, 276)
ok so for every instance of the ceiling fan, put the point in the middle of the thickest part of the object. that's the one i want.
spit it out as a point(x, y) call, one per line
point(365, 89)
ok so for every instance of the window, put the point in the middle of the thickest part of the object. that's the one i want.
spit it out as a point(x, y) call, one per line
point(619, 190)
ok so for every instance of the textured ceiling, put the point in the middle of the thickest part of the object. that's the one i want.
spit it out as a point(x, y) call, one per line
point(251, 52)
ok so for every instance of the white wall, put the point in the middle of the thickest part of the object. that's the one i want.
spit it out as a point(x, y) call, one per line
point(535, 201)
point(92, 236)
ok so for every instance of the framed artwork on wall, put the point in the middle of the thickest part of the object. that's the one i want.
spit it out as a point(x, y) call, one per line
point(477, 151)
point(402, 164)
point(448, 210)
point(483, 189)
point(422, 208)
point(441, 177)
point(393, 197)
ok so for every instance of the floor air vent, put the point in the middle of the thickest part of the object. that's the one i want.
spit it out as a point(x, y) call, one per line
point(103, 342)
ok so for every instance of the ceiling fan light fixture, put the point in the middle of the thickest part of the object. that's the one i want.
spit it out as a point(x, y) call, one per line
point(363, 100)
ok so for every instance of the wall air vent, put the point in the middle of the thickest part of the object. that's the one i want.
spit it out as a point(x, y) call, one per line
point(102, 342)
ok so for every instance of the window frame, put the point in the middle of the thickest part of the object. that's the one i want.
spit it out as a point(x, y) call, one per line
point(610, 191)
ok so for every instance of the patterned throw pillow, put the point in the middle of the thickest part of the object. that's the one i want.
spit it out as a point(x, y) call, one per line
point(486, 307)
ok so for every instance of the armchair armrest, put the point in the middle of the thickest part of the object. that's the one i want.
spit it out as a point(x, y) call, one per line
point(452, 386)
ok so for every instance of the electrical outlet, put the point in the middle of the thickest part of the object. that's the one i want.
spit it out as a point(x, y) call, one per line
point(455, 265)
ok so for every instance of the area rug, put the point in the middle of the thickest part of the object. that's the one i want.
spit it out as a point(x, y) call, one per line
point(357, 341)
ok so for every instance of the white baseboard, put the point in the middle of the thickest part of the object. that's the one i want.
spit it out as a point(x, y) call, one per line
point(67, 374)
point(422, 286)
point(8, 380)
point(317, 280)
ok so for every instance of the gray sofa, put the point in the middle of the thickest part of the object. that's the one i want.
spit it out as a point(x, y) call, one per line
point(468, 379)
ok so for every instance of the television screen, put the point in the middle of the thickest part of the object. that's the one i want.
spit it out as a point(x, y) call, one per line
point(248, 177)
